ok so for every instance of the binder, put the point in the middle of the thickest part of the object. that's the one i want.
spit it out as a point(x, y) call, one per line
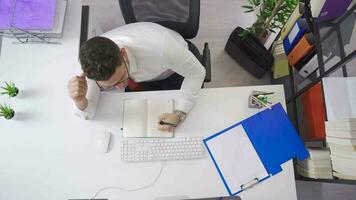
point(303, 47)
point(299, 29)
point(309, 67)
point(323, 10)
point(280, 66)
point(302, 62)
point(314, 112)
point(272, 137)
point(297, 13)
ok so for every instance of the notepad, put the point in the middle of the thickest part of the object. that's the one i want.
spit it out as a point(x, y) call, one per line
point(141, 117)
point(237, 159)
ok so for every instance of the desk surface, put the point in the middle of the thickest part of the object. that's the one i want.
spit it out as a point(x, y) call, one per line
point(47, 153)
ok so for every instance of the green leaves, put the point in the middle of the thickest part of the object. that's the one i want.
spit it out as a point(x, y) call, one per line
point(6, 111)
point(249, 8)
point(10, 89)
point(271, 14)
point(252, 5)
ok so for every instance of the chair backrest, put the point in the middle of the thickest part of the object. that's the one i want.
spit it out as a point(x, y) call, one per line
point(179, 15)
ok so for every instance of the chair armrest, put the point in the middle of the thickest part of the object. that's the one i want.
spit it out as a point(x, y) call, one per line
point(207, 62)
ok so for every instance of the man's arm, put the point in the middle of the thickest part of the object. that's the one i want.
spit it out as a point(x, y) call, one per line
point(179, 59)
point(85, 96)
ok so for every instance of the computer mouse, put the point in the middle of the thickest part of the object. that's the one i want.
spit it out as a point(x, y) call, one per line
point(102, 141)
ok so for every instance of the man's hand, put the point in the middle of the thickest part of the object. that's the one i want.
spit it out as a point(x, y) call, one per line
point(78, 88)
point(171, 118)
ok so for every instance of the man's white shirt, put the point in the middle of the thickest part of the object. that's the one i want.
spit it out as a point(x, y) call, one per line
point(154, 53)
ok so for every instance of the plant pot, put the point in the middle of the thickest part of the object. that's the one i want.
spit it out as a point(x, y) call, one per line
point(10, 116)
point(16, 93)
point(263, 37)
point(249, 53)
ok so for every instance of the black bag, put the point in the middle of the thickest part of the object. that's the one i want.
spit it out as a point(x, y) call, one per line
point(249, 53)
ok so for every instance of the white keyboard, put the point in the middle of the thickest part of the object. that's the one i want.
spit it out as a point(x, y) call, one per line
point(156, 149)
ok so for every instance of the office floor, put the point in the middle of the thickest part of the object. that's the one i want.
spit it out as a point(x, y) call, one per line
point(214, 28)
point(217, 21)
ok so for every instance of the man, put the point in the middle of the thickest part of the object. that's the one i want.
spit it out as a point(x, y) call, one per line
point(139, 56)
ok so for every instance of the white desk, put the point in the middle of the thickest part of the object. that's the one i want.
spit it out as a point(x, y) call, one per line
point(46, 152)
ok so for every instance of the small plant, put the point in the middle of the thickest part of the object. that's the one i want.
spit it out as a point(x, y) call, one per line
point(6, 111)
point(10, 89)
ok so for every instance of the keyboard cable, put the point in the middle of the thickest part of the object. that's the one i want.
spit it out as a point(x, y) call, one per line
point(163, 163)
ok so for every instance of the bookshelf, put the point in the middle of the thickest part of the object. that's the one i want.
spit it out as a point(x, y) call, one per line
point(336, 39)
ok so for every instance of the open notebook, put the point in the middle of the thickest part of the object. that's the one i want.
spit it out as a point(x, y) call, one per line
point(141, 117)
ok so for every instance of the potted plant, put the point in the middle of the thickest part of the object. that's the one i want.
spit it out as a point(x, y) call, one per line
point(10, 89)
point(6, 111)
point(271, 16)
point(246, 47)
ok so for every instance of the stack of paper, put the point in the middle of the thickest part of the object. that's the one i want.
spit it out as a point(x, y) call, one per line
point(28, 14)
point(44, 18)
point(340, 99)
point(341, 138)
point(318, 165)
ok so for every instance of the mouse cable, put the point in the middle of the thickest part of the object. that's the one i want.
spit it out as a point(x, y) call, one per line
point(131, 190)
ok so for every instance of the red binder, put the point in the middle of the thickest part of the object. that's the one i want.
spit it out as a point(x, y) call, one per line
point(314, 113)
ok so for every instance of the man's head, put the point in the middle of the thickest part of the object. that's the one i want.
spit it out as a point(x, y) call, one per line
point(103, 61)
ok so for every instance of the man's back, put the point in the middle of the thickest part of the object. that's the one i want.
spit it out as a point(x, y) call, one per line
point(144, 36)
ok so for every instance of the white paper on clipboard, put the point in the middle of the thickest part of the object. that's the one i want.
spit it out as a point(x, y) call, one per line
point(236, 158)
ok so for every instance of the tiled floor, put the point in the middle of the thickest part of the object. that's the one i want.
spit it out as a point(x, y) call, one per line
point(218, 19)
point(307, 190)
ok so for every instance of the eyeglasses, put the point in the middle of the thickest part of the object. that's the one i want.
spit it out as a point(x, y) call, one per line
point(106, 88)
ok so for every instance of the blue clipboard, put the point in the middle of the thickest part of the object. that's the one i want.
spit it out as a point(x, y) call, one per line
point(274, 139)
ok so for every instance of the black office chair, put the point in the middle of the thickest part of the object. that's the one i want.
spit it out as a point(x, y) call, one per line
point(181, 16)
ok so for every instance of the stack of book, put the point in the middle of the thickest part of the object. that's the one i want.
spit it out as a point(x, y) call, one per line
point(318, 165)
point(341, 138)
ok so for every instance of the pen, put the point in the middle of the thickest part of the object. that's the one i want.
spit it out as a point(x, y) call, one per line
point(166, 123)
point(256, 99)
point(268, 93)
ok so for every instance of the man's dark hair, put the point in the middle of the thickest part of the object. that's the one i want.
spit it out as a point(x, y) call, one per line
point(99, 58)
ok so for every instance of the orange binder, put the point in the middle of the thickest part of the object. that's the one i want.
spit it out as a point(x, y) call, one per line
point(301, 49)
point(314, 112)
